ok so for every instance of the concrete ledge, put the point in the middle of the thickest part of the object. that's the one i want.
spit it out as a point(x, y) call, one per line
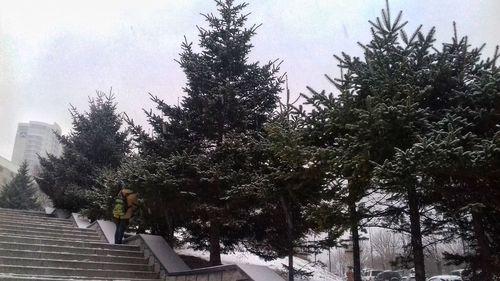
point(228, 272)
point(171, 267)
point(105, 229)
point(49, 210)
point(79, 220)
point(259, 273)
point(217, 273)
point(60, 213)
point(159, 254)
point(212, 269)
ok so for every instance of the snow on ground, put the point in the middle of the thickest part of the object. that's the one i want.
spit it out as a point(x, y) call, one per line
point(319, 273)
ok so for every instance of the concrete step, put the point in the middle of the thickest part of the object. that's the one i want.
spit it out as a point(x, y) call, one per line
point(60, 271)
point(41, 229)
point(71, 257)
point(63, 242)
point(42, 220)
point(11, 221)
point(28, 262)
point(70, 250)
point(36, 223)
point(24, 212)
point(76, 237)
point(24, 277)
point(36, 246)
point(27, 225)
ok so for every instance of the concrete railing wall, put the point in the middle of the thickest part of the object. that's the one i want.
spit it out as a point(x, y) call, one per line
point(171, 267)
point(159, 254)
point(217, 273)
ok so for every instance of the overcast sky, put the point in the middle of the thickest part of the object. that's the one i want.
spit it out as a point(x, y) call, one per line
point(57, 53)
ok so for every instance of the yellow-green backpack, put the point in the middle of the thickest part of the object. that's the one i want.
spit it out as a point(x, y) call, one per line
point(119, 209)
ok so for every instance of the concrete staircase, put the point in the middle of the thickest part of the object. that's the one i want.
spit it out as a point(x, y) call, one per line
point(35, 246)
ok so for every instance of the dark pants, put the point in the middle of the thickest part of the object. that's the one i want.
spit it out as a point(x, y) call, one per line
point(121, 226)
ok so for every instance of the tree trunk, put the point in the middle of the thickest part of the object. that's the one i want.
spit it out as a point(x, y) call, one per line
point(289, 222)
point(170, 227)
point(290, 261)
point(356, 260)
point(439, 267)
point(215, 243)
point(483, 247)
point(416, 234)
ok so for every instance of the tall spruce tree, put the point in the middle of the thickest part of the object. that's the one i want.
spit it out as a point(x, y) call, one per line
point(286, 185)
point(376, 113)
point(227, 101)
point(95, 143)
point(226, 97)
point(466, 141)
point(458, 158)
point(335, 124)
point(20, 193)
point(435, 112)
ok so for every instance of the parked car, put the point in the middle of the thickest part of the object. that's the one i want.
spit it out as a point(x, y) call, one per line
point(370, 274)
point(445, 278)
point(457, 272)
point(388, 275)
point(468, 274)
point(462, 273)
point(408, 278)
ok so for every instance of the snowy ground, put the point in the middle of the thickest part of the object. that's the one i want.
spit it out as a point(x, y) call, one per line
point(319, 273)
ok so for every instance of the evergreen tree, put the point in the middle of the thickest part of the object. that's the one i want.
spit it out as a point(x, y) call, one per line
point(376, 113)
point(164, 185)
point(228, 99)
point(466, 141)
point(19, 193)
point(458, 158)
point(286, 187)
point(95, 143)
point(332, 126)
point(225, 93)
point(432, 116)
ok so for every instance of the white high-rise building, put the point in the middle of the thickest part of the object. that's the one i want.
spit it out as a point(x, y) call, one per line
point(33, 139)
point(7, 171)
